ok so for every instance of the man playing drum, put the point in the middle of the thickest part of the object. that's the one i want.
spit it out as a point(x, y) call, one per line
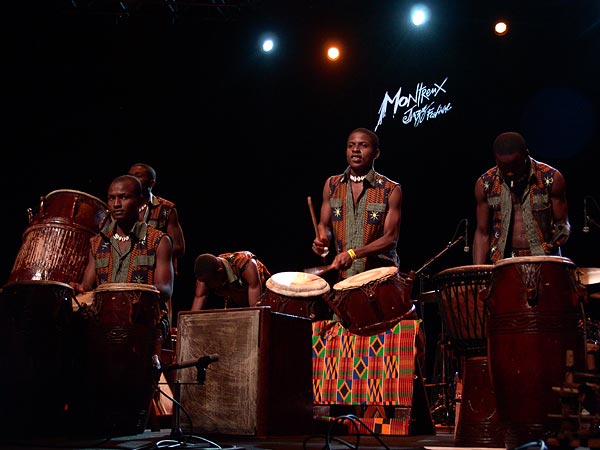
point(128, 250)
point(360, 211)
point(521, 205)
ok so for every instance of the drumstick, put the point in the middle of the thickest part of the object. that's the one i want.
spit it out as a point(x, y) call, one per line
point(313, 217)
point(314, 221)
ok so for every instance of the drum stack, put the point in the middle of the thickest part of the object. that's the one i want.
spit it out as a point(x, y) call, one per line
point(39, 332)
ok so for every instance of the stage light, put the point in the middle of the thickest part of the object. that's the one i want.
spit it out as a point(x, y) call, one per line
point(500, 28)
point(333, 53)
point(419, 14)
point(267, 43)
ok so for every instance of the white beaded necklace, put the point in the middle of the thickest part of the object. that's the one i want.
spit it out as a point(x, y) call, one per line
point(357, 179)
point(118, 237)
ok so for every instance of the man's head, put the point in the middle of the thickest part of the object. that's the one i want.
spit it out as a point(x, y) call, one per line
point(125, 198)
point(146, 174)
point(512, 155)
point(362, 148)
point(208, 270)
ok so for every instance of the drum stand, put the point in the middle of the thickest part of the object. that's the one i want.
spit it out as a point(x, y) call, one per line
point(442, 406)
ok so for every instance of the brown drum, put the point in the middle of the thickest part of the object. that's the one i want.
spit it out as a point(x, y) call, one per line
point(462, 308)
point(534, 305)
point(373, 301)
point(56, 243)
point(461, 299)
point(123, 335)
point(298, 294)
point(37, 339)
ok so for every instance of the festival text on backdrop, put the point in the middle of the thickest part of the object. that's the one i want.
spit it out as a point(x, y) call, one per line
point(418, 107)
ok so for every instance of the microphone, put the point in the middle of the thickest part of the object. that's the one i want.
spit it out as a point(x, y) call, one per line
point(586, 226)
point(466, 248)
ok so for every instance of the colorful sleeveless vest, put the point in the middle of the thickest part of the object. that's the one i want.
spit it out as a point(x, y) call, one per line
point(536, 206)
point(141, 256)
point(355, 227)
point(158, 213)
point(238, 262)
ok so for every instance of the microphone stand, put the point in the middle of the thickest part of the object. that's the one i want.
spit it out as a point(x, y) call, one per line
point(201, 365)
point(444, 384)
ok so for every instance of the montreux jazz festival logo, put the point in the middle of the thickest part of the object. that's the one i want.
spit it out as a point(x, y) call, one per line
point(417, 107)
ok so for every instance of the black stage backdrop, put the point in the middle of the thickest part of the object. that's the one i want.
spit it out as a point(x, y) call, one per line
point(240, 139)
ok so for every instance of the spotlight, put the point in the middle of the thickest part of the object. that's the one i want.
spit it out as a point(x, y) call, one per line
point(333, 53)
point(500, 28)
point(267, 43)
point(419, 14)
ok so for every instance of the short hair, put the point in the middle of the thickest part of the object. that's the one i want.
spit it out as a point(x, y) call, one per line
point(206, 264)
point(371, 134)
point(137, 185)
point(509, 143)
point(149, 168)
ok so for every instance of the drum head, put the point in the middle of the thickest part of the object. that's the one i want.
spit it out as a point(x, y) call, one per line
point(126, 287)
point(39, 283)
point(80, 193)
point(297, 284)
point(362, 278)
point(534, 259)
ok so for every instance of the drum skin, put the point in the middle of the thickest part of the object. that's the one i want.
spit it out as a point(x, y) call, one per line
point(122, 336)
point(298, 294)
point(56, 243)
point(534, 312)
point(373, 301)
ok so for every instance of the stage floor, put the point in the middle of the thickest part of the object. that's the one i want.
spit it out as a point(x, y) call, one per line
point(442, 439)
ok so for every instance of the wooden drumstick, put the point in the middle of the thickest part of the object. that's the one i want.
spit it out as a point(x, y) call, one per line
point(314, 221)
point(313, 216)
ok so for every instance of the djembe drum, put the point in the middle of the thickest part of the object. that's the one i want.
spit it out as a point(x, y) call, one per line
point(534, 305)
point(463, 312)
point(56, 243)
point(122, 337)
point(298, 294)
point(373, 301)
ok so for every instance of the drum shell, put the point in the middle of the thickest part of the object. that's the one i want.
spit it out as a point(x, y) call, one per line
point(311, 307)
point(534, 316)
point(122, 336)
point(38, 344)
point(461, 300)
point(56, 243)
point(375, 305)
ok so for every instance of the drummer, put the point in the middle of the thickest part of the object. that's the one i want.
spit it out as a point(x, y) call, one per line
point(238, 278)
point(508, 223)
point(128, 250)
point(356, 197)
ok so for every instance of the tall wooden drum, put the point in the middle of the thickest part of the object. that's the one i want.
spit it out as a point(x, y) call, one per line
point(535, 311)
point(122, 336)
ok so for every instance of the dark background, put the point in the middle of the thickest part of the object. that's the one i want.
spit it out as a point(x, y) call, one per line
point(240, 139)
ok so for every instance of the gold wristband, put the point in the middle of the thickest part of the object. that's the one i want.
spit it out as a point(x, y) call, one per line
point(352, 253)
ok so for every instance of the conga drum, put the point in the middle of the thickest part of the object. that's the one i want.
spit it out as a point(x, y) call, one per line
point(298, 294)
point(534, 305)
point(56, 243)
point(122, 337)
point(373, 301)
point(38, 363)
point(461, 292)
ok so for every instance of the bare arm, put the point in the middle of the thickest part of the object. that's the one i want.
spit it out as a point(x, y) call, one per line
point(251, 276)
point(481, 240)
point(174, 230)
point(324, 225)
point(560, 214)
point(163, 273)
point(88, 282)
point(200, 296)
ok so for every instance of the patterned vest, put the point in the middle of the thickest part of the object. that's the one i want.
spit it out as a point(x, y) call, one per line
point(159, 212)
point(141, 256)
point(355, 227)
point(536, 206)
